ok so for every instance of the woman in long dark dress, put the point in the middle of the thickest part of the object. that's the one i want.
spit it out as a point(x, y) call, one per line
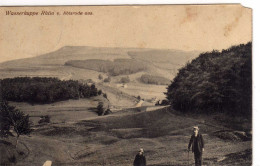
point(140, 158)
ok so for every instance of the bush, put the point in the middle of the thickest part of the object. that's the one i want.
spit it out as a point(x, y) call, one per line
point(100, 108)
point(215, 81)
point(12, 159)
point(105, 95)
point(108, 79)
point(44, 119)
point(100, 77)
point(125, 80)
point(99, 92)
point(165, 102)
point(107, 112)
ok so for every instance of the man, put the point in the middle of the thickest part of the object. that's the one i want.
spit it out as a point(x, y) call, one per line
point(197, 143)
point(140, 159)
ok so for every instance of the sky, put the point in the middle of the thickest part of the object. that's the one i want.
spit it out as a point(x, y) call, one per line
point(183, 27)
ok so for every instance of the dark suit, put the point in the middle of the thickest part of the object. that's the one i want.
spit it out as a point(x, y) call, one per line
point(140, 160)
point(197, 144)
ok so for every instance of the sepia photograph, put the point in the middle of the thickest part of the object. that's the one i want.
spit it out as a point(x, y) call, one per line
point(126, 85)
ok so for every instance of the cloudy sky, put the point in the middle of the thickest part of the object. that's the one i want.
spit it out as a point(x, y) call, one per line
point(200, 27)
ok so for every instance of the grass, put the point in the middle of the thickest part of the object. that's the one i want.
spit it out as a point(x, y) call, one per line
point(62, 112)
point(157, 80)
point(113, 68)
point(115, 139)
point(9, 154)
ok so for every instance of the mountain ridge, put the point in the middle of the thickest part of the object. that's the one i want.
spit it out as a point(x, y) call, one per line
point(52, 64)
point(78, 49)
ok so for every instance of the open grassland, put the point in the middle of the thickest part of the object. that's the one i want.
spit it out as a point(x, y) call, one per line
point(145, 91)
point(113, 68)
point(53, 64)
point(115, 139)
point(62, 112)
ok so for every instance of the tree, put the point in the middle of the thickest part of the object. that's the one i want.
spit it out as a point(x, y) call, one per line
point(13, 118)
point(108, 79)
point(107, 112)
point(100, 108)
point(105, 95)
point(44, 119)
point(99, 92)
point(215, 82)
point(125, 80)
point(44, 90)
point(100, 77)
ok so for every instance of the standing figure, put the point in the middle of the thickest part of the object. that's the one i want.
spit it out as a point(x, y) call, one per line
point(197, 143)
point(140, 158)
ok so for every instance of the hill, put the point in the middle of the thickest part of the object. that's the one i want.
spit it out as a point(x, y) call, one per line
point(170, 60)
point(113, 68)
point(82, 63)
point(215, 82)
point(53, 64)
point(161, 132)
point(77, 136)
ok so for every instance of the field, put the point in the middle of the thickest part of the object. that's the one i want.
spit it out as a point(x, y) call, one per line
point(77, 136)
point(42, 66)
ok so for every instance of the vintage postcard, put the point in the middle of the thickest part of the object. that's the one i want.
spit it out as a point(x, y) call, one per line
point(141, 85)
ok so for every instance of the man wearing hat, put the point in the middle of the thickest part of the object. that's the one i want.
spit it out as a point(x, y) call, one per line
point(140, 159)
point(197, 143)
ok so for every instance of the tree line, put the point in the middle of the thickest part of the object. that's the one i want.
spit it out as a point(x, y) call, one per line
point(215, 81)
point(113, 68)
point(156, 80)
point(44, 90)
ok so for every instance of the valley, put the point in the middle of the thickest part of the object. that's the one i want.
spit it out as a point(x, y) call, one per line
point(77, 136)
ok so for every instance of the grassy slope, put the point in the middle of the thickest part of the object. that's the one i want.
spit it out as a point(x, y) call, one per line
point(63, 111)
point(70, 141)
point(52, 65)
point(43, 66)
point(115, 139)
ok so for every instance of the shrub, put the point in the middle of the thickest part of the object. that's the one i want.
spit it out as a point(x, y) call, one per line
point(125, 80)
point(100, 108)
point(100, 77)
point(165, 102)
point(12, 159)
point(105, 95)
point(99, 92)
point(108, 79)
point(107, 112)
point(44, 119)
point(157, 103)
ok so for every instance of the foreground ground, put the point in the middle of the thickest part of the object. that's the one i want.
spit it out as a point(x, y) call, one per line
point(77, 136)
